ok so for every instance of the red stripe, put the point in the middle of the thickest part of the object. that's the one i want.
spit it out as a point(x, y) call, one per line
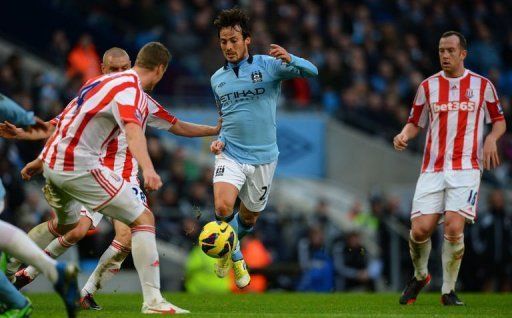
point(461, 125)
point(99, 207)
point(444, 89)
point(426, 156)
point(52, 229)
point(64, 243)
point(69, 154)
point(110, 157)
point(128, 165)
point(164, 114)
point(57, 130)
point(474, 153)
point(106, 182)
point(96, 177)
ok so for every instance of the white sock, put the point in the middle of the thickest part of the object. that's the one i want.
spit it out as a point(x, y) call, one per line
point(145, 258)
point(42, 235)
point(56, 248)
point(452, 258)
point(108, 266)
point(420, 252)
point(15, 242)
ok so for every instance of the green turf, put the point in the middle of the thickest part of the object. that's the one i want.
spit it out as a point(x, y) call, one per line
point(290, 305)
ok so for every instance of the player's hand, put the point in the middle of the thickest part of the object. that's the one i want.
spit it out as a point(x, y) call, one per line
point(152, 181)
point(40, 125)
point(400, 141)
point(10, 131)
point(32, 168)
point(216, 147)
point(279, 53)
point(491, 157)
point(219, 126)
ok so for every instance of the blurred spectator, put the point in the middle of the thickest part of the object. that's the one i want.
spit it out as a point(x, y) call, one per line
point(353, 268)
point(83, 59)
point(491, 239)
point(315, 262)
point(59, 49)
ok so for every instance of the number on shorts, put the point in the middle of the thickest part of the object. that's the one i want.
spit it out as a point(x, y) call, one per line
point(265, 189)
point(472, 197)
point(139, 193)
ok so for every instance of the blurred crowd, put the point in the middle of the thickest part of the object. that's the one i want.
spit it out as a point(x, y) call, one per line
point(371, 54)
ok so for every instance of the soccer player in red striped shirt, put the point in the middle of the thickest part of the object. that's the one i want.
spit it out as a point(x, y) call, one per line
point(456, 103)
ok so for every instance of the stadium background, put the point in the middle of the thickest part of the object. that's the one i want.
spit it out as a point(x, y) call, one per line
point(339, 211)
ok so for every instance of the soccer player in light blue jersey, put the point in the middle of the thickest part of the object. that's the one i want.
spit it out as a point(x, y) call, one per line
point(246, 89)
point(17, 243)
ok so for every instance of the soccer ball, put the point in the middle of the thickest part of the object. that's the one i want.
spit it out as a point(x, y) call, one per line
point(217, 239)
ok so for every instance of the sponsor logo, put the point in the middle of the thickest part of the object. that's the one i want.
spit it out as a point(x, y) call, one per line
point(454, 87)
point(454, 106)
point(219, 172)
point(221, 84)
point(243, 94)
point(256, 76)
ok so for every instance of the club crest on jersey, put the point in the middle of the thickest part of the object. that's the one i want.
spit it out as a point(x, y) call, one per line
point(256, 76)
point(469, 93)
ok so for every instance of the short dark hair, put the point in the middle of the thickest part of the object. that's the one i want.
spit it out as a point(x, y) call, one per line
point(232, 18)
point(462, 40)
point(152, 55)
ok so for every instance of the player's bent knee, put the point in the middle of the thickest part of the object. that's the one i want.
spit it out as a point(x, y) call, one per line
point(223, 208)
point(420, 233)
point(65, 228)
point(146, 218)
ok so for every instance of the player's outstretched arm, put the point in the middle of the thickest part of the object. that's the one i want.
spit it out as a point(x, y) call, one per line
point(41, 130)
point(491, 156)
point(295, 66)
point(138, 147)
point(410, 131)
point(187, 129)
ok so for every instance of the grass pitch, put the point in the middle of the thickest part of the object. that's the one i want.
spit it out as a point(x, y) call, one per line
point(289, 305)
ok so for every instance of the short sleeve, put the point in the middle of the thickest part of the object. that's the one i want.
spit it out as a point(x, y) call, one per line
point(492, 106)
point(419, 110)
point(126, 109)
point(159, 117)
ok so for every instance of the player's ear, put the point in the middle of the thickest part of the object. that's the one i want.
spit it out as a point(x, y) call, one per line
point(248, 40)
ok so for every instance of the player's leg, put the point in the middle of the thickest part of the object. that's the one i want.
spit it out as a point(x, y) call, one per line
point(46, 232)
point(108, 265)
point(461, 205)
point(15, 242)
point(102, 190)
point(254, 197)
point(56, 248)
point(452, 253)
point(427, 207)
point(13, 300)
point(62, 275)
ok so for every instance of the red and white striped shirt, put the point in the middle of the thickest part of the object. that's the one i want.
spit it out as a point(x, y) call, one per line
point(116, 156)
point(455, 109)
point(95, 117)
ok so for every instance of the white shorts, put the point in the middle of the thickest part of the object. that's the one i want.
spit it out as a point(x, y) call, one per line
point(453, 190)
point(252, 181)
point(96, 217)
point(98, 190)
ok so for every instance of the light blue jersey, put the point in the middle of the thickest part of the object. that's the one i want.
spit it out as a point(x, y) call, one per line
point(14, 113)
point(247, 95)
